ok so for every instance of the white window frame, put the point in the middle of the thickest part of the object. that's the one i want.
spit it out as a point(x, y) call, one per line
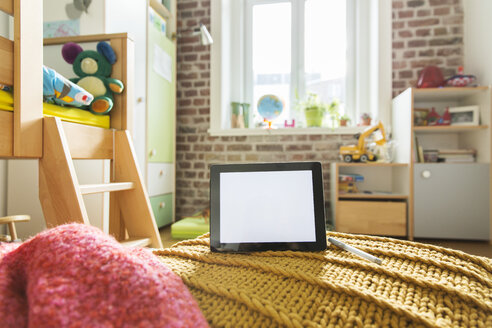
point(370, 90)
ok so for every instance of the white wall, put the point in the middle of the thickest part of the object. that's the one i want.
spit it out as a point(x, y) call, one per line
point(130, 16)
point(477, 40)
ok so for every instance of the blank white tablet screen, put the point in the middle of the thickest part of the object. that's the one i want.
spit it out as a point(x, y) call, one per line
point(270, 206)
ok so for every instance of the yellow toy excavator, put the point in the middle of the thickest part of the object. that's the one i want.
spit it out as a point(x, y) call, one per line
point(360, 152)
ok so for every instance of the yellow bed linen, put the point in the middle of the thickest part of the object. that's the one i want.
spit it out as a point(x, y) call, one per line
point(68, 114)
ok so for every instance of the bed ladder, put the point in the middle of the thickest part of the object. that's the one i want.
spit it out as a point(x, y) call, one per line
point(61, 195)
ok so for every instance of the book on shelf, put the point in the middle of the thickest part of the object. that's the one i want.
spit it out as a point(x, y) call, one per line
point(350, 178)
point(418, 151)
point(449, 155)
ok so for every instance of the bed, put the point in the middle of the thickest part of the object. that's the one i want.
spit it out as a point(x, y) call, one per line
point(56, 136)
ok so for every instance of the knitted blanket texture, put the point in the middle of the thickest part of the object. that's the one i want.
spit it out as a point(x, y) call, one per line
point(417, 285)
point(76, 276)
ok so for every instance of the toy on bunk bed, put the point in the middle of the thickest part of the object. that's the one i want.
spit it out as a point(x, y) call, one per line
point(59, 90)
point(94, 70)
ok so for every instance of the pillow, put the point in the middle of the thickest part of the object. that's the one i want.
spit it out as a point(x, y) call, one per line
point(75, 275)
point(57, 89)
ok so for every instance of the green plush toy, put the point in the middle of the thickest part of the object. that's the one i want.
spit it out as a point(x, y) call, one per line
point(94, 71)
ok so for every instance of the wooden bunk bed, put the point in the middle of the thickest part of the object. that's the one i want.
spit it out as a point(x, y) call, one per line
point(25, 133)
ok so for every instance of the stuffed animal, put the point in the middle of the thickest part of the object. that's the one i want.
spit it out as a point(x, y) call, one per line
point(94, 70)
point(57, 89)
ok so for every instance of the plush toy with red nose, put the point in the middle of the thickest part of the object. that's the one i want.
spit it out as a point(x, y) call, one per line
point(93, 69)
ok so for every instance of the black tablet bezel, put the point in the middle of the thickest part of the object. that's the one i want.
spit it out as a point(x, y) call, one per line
point(318, 199)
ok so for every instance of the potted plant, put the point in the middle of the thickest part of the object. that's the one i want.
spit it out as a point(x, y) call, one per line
point(366, 119)
point(314, 110)
point(344, 119)
point(334, 112)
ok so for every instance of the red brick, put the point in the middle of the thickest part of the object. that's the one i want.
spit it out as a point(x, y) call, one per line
point(397, 4)
point(442, 11)
point(416, 43)
point(409, 54)
point(405, 34)
point(423, 22)
point(423, 13)
point(452, 20)
point(423, 32)
point(405, 74)
point(415, 3)
point(426, 53)
point(191, 93)
point(405, 14)
point(397, 25)
point(269, 148)
point(239, 147)
point(398, 45)
point(298, 147)
point(186, 5)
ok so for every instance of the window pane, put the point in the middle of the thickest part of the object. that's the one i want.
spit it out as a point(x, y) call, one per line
point(271, 42)
point(325, 46)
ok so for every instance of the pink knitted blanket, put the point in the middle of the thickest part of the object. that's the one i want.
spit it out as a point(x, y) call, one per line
point(76, 276)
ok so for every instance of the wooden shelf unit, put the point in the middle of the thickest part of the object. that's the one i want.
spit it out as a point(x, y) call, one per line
point(451, 210)
point(383, 211)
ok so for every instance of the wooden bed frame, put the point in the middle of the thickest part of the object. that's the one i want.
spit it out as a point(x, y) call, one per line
point(24, 133)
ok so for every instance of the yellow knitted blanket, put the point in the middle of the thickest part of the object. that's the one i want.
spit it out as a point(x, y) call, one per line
point(417, 285)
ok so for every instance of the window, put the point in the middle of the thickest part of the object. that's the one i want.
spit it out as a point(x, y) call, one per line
point(291, 48)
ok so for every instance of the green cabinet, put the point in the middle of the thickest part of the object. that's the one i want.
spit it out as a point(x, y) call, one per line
point(161, 92)
point(162, 206)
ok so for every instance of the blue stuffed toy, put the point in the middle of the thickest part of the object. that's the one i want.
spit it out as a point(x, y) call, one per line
point(57, 89)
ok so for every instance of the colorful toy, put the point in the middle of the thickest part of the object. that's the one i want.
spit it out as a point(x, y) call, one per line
point(461, 80)
point(360, 152)
point(94, 70)
point(433, 117)
point(430, 77)
point(57, 89)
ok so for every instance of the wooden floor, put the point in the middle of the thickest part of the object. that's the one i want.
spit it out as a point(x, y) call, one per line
point(478, 248)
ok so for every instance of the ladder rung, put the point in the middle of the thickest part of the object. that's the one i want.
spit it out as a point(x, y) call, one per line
point(105, 187)
point(136, 242)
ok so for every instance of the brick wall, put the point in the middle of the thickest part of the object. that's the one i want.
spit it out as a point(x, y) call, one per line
point(196, 150)
point(425, 32)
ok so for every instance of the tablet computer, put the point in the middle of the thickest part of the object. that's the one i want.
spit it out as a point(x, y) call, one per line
point(271, 206)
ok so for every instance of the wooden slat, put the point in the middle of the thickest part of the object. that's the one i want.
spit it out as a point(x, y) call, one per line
point(6, 61)
point(136, 242)
point(28, 78)
point(14, 218)
point(134, 204)
point(105, 187)
point(85, 38)
point(123, 69)
point(6, 134)
point(59, 190)
point(88, 142)
point(7, 6)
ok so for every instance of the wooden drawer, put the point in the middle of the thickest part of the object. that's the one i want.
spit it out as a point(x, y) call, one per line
point(372, 218)
point(160, 178)
point(162, 206)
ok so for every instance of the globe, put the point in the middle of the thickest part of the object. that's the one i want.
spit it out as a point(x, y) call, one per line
point(270, 107)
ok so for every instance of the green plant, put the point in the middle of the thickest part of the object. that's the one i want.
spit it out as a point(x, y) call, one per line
point(365, 116)
point(315, 109)
point(345, 117)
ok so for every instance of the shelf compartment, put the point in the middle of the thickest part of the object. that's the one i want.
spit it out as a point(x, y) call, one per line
point(449, 128)
point(451, 93)
point(341, 164)
point(372, 196)
point(372, 217)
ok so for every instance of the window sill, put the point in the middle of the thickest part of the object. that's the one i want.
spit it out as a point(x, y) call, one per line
point(286, 131)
